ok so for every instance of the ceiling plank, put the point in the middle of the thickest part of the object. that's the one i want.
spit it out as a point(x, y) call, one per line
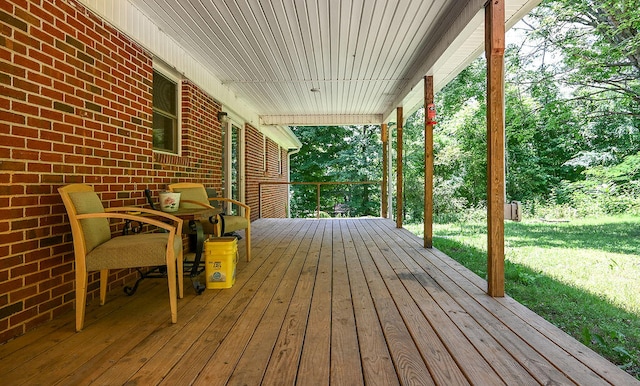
point(365, 56)
point(321, 120)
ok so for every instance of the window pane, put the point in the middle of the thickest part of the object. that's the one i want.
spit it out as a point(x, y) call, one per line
point(165, 114)
point(164, 94)
point(163, 132)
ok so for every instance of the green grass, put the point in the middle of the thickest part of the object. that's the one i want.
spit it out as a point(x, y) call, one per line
point(581, 275)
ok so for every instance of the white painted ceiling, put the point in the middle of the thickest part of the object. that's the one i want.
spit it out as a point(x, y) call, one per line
point(364, 57)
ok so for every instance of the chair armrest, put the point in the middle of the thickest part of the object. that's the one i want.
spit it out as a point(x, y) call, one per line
point(202, 204)
point(114, 213)
point(133, 209)
point(247, 208)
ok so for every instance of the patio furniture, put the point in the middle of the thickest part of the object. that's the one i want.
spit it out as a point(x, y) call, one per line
point(96, 250)
point(194, 216)
point(194, 195)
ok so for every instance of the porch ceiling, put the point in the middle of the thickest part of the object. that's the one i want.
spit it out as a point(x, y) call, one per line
point(365, 58)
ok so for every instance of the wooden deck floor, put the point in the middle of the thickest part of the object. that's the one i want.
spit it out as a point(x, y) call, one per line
point(342, 302)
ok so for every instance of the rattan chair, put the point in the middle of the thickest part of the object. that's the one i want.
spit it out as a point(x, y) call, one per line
point(96, 250)
point(194, 195)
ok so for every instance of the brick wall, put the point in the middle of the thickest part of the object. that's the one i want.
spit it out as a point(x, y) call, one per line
point(274, 197)
point(76, 106)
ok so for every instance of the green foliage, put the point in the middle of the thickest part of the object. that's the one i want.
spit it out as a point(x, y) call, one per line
point(599, 50)
point(611, 189)
point(337, 154)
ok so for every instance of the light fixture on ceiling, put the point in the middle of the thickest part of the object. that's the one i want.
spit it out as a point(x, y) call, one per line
point(223, 117)
point(315, 89)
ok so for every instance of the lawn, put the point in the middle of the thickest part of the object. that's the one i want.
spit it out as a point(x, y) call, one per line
point(582, 275)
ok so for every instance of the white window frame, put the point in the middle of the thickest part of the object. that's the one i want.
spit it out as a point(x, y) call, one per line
point(228, 162)
point(174, 76)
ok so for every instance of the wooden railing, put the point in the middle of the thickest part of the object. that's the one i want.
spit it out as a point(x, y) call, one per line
point(318, 185)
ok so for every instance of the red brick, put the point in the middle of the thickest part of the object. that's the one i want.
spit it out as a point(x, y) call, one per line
point(51, 93)
point(29, 178)
point(27, 62)
point(26, 86)
point(11, 117)
point(5, 152)
point(39, 100)
point(37, 189)
point(36, 277)
point(51, 115)
point(56, 55)
point(40, 79)
point(63, 290)
point(23, 316)
point(41, 14)
point(24, 155)
point(5, 54)
point(49, 284)
point(26, 39)
point(24, 246)
point(23, 270)
point(39, 145)
point(16, 46)
point(37, 233)
point(24, 108)
point(27, 17)
point(42, 36)
point(51, 262)
point(34, 322)
point(11, 261)
point(24, 224)
point(10, 285)
point(36, 211)
point(52, 178)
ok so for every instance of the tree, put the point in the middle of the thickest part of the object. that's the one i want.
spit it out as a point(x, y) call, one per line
point(597, 51)
point(337, 154)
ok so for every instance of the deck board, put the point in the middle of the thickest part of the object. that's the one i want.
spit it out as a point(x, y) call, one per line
point(455, 328)
point(377, 363)
point(288, 345)
point(316, 353)
point(335, 301)
point(410, 366)
point(346, 366)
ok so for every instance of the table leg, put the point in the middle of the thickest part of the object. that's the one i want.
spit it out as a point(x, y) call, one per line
point(196, 226)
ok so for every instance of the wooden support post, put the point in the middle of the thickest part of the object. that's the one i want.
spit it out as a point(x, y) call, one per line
point(318, 201)
point(399, 203)
point(385, 169)
point(494, 49)
point(260, 200)
point(428, 164)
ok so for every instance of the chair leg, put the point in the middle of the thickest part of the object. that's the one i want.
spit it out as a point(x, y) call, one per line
point(180, 266)
point(104, 277)
point(247, 234)
point(173, 298)
point(81, 298)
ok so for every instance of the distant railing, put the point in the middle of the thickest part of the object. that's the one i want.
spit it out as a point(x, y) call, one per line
point(338, 207)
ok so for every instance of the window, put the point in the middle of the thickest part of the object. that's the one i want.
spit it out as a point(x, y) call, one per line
point(165, 113)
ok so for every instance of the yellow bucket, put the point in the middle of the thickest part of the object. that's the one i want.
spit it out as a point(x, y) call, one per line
point(221, 257)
